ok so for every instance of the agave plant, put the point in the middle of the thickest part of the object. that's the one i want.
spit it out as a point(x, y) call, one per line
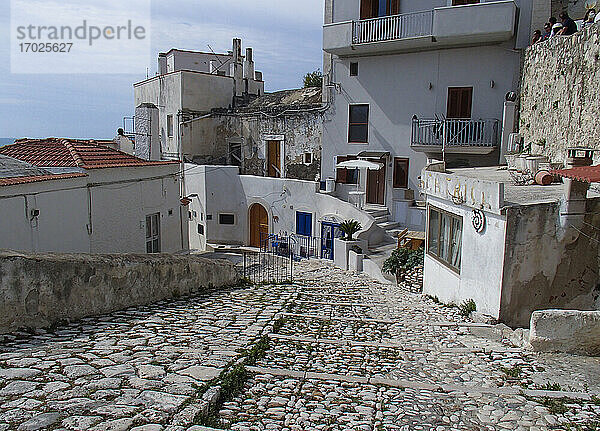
point(349, 228)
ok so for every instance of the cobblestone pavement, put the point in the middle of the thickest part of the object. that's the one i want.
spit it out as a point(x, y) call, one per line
point(344, 353)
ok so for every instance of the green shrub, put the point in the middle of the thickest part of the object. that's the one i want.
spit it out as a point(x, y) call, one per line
point(467, 307)
point(403, 260)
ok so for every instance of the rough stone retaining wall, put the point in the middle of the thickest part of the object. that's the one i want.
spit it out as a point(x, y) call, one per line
point(560, 94)
point(40, 290)
point(414, 280)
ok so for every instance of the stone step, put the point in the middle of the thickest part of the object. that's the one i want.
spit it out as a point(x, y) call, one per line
point(382, 219)
point(389, 225)
point(378, 212)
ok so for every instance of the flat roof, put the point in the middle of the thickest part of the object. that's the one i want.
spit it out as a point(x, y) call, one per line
point(513, 194)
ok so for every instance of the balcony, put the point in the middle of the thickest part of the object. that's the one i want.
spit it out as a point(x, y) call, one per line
point(432, 135)
point(482, 23)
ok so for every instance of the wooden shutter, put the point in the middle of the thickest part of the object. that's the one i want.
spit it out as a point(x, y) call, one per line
point(460, 102)
point(341, 173)
point(394, 8)
point(366, 9)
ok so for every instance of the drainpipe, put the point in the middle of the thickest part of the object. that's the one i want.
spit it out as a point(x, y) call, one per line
point(573, 204)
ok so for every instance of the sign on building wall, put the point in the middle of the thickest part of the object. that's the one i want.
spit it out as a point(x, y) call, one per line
point(472, 192)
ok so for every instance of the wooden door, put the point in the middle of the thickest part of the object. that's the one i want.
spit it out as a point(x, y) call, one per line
point(274, 159)
point(460, 102)
point(376, 185)
point(259, 225)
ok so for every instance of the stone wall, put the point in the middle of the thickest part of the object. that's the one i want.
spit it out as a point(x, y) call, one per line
point(560, 95)
point(542, 270)
point(40, 290)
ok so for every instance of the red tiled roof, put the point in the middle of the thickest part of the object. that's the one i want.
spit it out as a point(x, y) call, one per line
point(34, 179)
point(587, 174)
point(76, 153)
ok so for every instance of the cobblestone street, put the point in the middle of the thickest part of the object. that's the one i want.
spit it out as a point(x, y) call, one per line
point(344, 353)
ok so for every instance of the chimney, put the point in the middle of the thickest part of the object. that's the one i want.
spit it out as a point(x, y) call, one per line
point(573, 207)
point(249, 65)
point(147, 135)
point(237, 67)
point(162, 63)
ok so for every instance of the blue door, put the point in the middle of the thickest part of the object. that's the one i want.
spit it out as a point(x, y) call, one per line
point(329, 231)
point(303, 223)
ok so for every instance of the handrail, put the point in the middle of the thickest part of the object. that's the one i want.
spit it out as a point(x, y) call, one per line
point(393, 27)
point(452, 132)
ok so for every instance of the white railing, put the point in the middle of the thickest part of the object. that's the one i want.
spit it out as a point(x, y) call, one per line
point(454, 132)
point(393, 27)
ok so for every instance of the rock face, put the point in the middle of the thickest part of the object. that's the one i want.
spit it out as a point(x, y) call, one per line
point(560, 94)
point(567, 331)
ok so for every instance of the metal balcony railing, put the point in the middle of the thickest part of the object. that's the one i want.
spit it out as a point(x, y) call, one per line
point(454, 132)
point(394, 27)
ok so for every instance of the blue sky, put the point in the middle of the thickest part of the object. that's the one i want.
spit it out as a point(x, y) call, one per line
point(285, 35)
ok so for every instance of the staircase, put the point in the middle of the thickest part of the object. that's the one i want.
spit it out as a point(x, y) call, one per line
point(380, 252)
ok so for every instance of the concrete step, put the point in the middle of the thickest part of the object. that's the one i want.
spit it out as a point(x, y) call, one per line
point(382, 219)
point(389, 225)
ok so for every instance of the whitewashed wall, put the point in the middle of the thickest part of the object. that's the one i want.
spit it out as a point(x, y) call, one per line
point(482, 257)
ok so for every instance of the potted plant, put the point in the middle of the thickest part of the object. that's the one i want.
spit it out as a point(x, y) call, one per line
point(349, 228)
point(343, 245)
point(401, 261)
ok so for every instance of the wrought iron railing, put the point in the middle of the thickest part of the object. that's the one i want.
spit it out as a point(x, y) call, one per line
point(454, 132)
point(393, 27)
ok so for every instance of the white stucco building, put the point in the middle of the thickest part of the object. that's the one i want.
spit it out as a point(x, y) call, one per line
point(412, 80)
point(188, 86)
point(512, 249)
point(89, 198)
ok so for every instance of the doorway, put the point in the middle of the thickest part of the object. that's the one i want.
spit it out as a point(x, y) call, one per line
point(376, 184)
point(274, 159)
point(329, 231)
point(259, 225)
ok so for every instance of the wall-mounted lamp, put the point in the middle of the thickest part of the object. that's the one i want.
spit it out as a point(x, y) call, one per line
point(431, 85)
point(492, 83)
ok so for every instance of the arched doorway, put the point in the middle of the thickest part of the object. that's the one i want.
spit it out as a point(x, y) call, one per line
point(259, 224)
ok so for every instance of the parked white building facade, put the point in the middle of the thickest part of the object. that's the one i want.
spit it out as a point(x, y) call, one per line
point(409, 81)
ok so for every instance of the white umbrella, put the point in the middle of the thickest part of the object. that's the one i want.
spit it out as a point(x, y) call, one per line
point(359, 164)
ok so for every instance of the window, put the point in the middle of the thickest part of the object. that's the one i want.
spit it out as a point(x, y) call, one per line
point(200, 229)
point(460, 102)
point(444, 239)
point(304, 223)
point(170, 126)
point(153, 233)
point(307, 158)
point(358, 124)
point(346, 176)
point(226, 219)
point(353, 69)
point(400, 173)
point(377, 8)
point(235, 154)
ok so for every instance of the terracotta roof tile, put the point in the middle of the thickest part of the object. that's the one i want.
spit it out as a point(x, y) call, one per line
point(37, 178)
point(587, 174)
point(76, 153)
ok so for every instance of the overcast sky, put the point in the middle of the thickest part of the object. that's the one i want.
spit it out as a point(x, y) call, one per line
point(285, 35)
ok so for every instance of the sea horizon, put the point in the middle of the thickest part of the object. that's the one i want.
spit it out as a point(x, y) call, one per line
point(6, 141)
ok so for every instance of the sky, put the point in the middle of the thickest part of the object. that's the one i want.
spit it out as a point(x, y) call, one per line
point(285, 34)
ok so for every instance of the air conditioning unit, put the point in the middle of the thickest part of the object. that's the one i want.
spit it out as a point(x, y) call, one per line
point(515, 143)
point(327, 186)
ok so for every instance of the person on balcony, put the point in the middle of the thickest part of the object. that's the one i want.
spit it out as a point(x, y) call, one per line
point(589, 18)
point(569, 26)
point(547, 31)
point(556, 29)
point(537, 37)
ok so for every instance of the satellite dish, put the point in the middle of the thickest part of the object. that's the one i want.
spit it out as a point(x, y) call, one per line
point(590, 4)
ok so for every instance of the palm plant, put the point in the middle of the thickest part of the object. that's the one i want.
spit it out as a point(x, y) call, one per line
point(349, 228)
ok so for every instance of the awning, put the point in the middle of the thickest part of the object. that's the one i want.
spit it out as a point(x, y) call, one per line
point(374, 154)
